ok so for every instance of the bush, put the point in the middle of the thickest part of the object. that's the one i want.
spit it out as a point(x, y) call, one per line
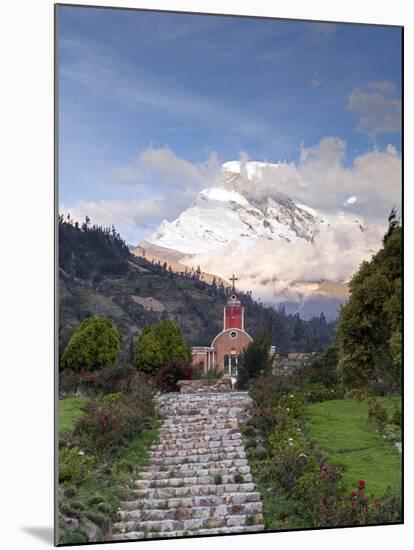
point(294, 403)
point(267, 390)
point(169, 374)
point(158, 344)
point(73, 465)
point(107, 380)
point(378, 415)
point(319, 493)
point(101, 429)
point(317, 392)
point(94, 345)
point(110, 420)
point(359, 394)
point(114, 379)
point(396, 417)
point(322, 369)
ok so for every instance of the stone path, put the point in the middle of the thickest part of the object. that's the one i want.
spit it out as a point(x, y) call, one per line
point(198, 481)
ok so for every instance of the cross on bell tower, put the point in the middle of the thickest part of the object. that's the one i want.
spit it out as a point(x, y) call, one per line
point(234, 279)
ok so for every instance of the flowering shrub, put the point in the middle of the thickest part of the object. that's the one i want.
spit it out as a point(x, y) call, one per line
point(318, 491)
point(289, 470)
point(359, 509)
point(316, 392)
point(109, 420)
point(106, 380)
point(294, 403)
point(171, 372)
point(267, 390)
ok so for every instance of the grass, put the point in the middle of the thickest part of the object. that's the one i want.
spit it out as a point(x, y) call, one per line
point(69, 412)
point(341, 429)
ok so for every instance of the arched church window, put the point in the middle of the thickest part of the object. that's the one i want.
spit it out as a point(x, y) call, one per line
point(226, 364)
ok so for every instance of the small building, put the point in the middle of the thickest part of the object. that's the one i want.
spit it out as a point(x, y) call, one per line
point(225, 349)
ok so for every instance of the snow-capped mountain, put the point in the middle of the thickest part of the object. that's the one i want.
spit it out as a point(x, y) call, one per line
point(281, 250)
point(222, 214)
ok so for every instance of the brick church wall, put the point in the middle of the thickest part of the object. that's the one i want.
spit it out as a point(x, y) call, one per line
point(224, 344)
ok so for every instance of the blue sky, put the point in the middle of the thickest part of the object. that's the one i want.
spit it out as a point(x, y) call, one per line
point(132, 82)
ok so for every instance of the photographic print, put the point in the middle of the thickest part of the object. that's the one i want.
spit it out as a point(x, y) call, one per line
point(229, 274)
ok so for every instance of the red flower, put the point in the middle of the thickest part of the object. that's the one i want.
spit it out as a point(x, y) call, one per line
point(361, 484)
point(353, 494)
point(354, 503)
point(377, 504)
point(325, 470)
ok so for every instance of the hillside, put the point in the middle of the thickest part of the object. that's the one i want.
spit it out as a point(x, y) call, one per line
point(98, 275)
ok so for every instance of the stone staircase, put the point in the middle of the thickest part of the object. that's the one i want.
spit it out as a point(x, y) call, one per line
point(198, 480)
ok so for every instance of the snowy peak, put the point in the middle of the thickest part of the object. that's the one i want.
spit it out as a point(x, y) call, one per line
point(232, 211)
point(208, 197)
point(220, 216)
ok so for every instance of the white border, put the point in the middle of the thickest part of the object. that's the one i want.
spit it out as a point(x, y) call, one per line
point(26, 214)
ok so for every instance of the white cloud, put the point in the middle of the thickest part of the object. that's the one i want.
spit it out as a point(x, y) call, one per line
point(134, 218)
point(280, 271)
point(377, 108)
point(169, 168)
point(322, 180)
point(351, 200)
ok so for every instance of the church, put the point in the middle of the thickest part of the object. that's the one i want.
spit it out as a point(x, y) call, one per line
point(225, 349)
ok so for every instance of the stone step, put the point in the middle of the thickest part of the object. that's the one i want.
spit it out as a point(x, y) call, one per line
point(231, 530)
point(191, 523)
point(197, 434)
point(225, 463)
point(184, 471)
point(195, 443)
point(229, 499)
point(213, 447)
point(189, 480)
point(170, 428)
point(131, 535)
point(200, 458)
point(194, 490)
point(179, 513)
point(198, 440)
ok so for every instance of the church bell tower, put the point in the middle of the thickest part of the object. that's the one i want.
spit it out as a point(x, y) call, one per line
point(233, 311)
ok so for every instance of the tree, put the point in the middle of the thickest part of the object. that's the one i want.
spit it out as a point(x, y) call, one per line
point(94, 345)
point(370, 325)
point(323, 367)
point(254, 361)
point(158, 344)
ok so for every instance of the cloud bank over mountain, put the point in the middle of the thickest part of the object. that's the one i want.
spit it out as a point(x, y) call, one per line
point(280, 249)
point(369, 185)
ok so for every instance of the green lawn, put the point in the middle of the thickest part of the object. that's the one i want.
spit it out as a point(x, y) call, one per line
point(341, 429)
point(69, 412)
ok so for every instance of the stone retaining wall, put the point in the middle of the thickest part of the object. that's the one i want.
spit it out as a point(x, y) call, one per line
point(206, 386)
